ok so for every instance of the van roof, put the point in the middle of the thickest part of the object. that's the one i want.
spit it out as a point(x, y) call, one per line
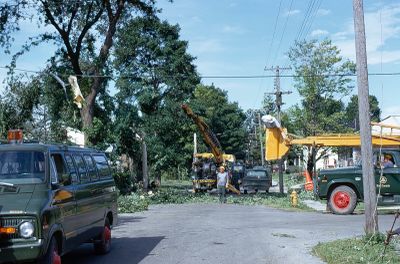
point(45, 147)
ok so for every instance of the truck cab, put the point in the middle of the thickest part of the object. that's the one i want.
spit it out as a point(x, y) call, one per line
point(343, 187)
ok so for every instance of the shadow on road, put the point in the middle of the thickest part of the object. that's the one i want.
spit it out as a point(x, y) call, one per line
point(124, 250)
point(127, 220)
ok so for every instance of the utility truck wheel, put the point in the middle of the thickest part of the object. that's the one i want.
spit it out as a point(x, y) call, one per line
point(342, 200)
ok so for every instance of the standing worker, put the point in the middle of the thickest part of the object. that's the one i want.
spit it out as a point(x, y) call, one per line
point(222, 181)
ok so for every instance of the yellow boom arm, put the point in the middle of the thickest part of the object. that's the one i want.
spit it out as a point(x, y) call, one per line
point(277, 142)
point(207, 134)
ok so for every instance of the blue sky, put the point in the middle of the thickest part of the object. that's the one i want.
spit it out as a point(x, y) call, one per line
point(242, 37)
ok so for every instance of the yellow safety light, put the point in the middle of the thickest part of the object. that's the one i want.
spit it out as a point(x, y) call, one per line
point(15, 136)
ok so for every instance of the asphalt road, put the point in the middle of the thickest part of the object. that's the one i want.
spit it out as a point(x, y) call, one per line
point(222, 233)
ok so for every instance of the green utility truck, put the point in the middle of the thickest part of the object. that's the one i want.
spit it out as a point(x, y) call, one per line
point(343, 187)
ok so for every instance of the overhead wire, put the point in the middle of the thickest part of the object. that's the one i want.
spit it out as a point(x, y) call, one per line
point(303, 24)
point(313, 17)
point(283, 31)
point(217, 76)
point(274, 32)
point(269, 51)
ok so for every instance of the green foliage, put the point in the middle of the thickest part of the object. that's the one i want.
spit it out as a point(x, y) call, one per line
point(367, 249)
point(132, 203)
point(18, 103)
point(352, 111)
point(150, 53)
point(161, 77)
point(76, 28)
point(177, 192)
point(320, 80)
point(125, 183)
point(224, 118)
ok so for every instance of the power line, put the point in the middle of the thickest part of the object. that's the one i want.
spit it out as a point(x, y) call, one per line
point(306, 17)
point(269, 50)
point(313, 17)
point(216, 76)
point(283, 33)
point(274, 32)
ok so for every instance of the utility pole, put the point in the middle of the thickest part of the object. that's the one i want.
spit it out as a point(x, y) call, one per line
point(278, 102)
point(371, 218)
point(261, 139)
point(194, 145)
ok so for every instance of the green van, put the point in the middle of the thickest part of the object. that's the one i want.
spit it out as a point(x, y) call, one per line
point(52, 199)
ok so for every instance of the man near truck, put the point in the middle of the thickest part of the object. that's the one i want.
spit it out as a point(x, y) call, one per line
point(387, 161)
point(222, 181)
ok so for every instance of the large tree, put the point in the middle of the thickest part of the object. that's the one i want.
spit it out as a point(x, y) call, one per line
point(85, 31)
point(224, 118)
point(156, 75)
point(322, 79)
point(352, 111)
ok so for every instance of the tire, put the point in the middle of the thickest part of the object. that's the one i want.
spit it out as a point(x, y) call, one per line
point(104, 245)
point(342, 200)
point(52, 255)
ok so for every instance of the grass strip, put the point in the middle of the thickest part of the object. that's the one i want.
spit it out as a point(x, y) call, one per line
point(366, 249)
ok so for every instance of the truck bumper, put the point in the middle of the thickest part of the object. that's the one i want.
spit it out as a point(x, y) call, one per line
point(20, 252)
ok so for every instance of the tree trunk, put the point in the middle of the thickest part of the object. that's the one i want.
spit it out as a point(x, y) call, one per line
point(87, 111)
point(145, 171)
point(310, 162)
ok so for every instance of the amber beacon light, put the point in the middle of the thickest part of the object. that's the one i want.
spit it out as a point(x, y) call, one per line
point(15, 136)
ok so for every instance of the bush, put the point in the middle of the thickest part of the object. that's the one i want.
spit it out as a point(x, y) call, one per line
point(132, 203)
point(125, 183)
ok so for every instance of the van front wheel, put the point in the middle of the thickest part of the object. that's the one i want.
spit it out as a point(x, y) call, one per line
point(343, 200)
point(53, 254)
point(104, 245)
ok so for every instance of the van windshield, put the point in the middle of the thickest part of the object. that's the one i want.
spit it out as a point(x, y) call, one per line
point(22, 167)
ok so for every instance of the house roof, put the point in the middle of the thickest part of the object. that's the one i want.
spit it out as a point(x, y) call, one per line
point(392, 124)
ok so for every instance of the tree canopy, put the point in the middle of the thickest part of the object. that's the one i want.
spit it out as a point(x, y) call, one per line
point(321, 81)
point(84, 31)
point(352, 111)
point(224, 118)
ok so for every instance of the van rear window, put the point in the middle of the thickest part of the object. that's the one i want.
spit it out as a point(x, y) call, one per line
point(22, 167)
point(102, 166)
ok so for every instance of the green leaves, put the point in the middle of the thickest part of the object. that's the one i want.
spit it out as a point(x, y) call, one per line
point(150, 54)
point(321, 79)
point(224, 118)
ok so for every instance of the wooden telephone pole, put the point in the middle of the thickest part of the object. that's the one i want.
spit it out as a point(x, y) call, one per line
point(371, 218)
point(278, 102)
